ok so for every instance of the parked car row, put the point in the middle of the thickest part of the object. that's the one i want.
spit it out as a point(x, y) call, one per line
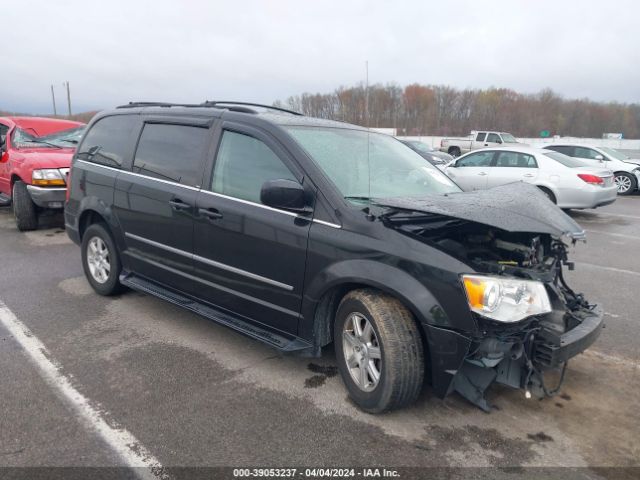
point(625, 170)
point(301, 232)
point(567, 182)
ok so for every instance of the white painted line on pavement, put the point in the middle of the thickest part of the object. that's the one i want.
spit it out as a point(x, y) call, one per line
point(627, 362)
point(619, 235)
point(130, 450)
point(618, 215)
point(611, 269)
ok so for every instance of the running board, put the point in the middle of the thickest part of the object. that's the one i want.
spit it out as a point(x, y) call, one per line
point(279, 340)
point(5, 200)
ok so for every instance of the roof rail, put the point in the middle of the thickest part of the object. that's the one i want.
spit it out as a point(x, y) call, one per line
point(157, 104)
point(240, 106)
point(218, 103)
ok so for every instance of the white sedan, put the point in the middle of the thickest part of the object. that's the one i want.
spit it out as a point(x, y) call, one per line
point(568, 182)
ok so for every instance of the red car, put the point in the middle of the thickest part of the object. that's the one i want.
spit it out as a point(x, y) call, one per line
point(35, 157)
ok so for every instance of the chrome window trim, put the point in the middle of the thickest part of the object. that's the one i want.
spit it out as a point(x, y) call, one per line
point(215, 285)
point(213, 263)
point(209, 192)
point(328, 224)
point(249, 202)
point(168, 182)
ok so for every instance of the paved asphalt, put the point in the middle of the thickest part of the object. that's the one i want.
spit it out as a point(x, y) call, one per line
point(196, 394)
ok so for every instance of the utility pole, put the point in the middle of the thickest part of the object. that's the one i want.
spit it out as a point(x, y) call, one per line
point(68, 96)
point(53, 97)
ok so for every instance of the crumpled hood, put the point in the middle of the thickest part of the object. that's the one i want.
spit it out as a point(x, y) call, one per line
point(515, 207)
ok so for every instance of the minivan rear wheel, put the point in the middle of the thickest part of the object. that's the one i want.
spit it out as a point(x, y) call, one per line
point(379, 351)
point(101, 261)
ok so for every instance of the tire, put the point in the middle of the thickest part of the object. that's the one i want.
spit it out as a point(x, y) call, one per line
point(454, 152)
point(101, 260)
point(23, 208)
point(393, 337)
point(549, 194)
point(625, 182)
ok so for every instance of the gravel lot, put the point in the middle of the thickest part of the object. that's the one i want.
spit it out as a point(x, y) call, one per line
point(194, 394)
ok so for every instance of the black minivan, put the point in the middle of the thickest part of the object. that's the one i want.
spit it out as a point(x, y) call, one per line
point(300, 232)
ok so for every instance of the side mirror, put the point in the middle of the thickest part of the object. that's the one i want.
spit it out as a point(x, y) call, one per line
point(284, 194)
point(599, 157)
point(498, 141)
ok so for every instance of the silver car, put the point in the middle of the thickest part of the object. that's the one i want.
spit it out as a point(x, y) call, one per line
point(625, 171)
point(567, 181)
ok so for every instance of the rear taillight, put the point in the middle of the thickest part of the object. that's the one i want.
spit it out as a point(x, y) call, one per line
point(594, 179)
point(68, 180)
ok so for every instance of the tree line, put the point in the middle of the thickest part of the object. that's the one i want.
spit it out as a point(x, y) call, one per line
point(442, 110)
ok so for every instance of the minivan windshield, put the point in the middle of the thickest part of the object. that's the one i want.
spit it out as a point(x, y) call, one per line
point(365, 165)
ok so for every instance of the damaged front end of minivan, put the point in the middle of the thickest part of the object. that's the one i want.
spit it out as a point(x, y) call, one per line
point(528, 321)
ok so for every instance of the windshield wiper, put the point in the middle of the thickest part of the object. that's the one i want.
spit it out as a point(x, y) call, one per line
point(75, 142)
point(358, 197)
point(43, 142)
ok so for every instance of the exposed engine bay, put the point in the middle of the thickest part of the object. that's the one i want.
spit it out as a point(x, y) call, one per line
point(515, 354)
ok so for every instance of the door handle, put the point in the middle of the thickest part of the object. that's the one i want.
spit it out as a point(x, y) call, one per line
point(210, 213)
point(482, 174)
point(178, 205)
point(529, 175)
point(486, 144)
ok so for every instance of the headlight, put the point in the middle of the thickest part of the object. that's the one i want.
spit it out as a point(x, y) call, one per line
point(47, 177)
point(505, 299)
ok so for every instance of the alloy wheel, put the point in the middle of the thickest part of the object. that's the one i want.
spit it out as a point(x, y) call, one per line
point(362, 352)
point(623, 183)
point(98, 260)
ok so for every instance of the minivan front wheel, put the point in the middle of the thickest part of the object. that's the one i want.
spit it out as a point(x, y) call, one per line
point(379, 351)
point(100, 260)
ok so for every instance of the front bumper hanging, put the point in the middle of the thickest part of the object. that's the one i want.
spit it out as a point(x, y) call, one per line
point(521, 362)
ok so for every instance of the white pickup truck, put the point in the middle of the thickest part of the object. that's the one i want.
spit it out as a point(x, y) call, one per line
point(475, 140)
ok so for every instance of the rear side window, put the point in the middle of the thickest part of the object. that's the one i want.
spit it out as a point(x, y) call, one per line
point(561, 149)
point(243, 164)
point(107, 141)
point(481, 136)
point(516, 160)
point(171, 152)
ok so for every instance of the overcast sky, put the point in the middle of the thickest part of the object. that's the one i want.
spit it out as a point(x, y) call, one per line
point(191, 50)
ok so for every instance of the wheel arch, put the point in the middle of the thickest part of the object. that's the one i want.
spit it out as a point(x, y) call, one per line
point(550, 188)
point(15, 178)
point(89, 217)
point(329, 288)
